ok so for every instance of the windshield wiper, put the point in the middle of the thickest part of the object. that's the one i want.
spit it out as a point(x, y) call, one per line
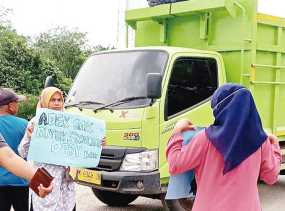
point(84, 103)
point(119, 102)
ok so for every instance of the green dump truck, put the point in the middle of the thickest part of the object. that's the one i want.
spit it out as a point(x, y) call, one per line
point(184, 52)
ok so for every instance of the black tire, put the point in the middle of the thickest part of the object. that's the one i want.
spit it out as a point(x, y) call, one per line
point(178, 205)
point(114, 199)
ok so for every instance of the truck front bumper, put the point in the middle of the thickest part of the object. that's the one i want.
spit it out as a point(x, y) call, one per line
point(125, 182)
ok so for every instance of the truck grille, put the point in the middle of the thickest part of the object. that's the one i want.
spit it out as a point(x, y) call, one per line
point(112, 157)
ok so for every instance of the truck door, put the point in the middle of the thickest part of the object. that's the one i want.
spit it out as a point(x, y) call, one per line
point(190, 84)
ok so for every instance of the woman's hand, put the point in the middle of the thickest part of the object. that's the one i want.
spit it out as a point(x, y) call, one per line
point(44, 191)
point(30, 130)
point(182, 125)
point(103, 142)
point(273, 139)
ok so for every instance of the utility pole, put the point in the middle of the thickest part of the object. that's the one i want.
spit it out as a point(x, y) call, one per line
point(126, 27)
point(118, 25)
point(121, 29)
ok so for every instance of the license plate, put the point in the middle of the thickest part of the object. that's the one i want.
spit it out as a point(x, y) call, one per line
point(89, 176)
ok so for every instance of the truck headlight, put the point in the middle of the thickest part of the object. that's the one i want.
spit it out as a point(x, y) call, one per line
point(143, 161)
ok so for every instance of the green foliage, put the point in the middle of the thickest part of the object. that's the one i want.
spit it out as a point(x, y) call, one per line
point(4, 15)
point(22, 68)
point(68, 49)
point(24, 65)
point(98, 48)
point(27, 109)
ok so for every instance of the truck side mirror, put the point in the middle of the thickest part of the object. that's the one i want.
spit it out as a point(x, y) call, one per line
point(153, 81)
point(49, 81)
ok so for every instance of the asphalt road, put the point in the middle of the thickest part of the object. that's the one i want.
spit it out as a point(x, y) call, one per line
point(271, 198)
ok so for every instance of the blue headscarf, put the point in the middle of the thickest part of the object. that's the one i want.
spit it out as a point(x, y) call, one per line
point(237, 130)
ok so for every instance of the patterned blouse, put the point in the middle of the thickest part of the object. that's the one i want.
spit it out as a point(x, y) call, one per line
point(62, 198)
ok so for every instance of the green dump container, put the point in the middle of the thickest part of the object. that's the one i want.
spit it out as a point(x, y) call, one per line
point(252, 45)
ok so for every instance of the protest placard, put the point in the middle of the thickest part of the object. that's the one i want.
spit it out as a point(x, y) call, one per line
point(66, 139)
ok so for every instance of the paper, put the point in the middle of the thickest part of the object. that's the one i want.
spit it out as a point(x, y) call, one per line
point(66, 139)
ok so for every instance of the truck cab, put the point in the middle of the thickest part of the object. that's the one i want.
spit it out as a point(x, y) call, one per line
point(141, 93)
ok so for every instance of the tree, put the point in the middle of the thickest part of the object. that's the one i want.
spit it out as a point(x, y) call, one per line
point(4, 15)
point(22, 68)
point(98, 48)
point(68, 49)
point(25, 64)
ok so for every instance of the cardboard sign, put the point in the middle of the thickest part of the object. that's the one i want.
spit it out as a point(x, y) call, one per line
point(66, 139)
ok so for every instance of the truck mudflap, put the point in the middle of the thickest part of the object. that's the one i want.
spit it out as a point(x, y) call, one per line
point(121, 182)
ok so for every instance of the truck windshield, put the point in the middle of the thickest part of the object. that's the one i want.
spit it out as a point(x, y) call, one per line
point(109, 77)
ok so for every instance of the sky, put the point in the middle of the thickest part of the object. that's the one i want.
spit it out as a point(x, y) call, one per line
point(103, 20)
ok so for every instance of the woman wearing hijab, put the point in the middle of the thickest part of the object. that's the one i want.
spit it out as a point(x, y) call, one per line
point(62, 198)
point(229, 156)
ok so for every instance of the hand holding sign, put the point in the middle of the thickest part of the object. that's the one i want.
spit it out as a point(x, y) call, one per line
point(66, 139)
point(30, 130)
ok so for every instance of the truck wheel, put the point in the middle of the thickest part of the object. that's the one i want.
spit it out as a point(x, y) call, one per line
point(114, 199)
point(178, 205)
